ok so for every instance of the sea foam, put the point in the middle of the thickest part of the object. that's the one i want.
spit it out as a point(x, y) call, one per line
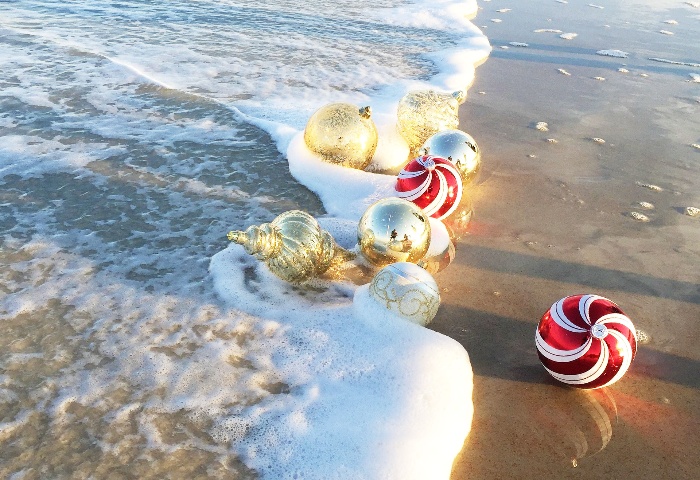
point(129, 148)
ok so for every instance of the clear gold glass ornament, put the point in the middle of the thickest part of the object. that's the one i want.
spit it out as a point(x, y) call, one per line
point(393, 230)
point(423, 113)
point(342, 134)
point(293, 246)
point(458, 147)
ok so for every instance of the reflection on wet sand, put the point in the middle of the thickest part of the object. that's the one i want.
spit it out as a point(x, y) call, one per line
point(576, 425)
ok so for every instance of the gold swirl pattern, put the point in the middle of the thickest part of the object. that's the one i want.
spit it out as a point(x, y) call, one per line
point(408, 291)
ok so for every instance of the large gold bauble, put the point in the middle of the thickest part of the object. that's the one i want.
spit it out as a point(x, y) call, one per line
point(406, 290)
point(342, 134)
point(423, 113)
point(293, 246)
point(393, 230)
point(458, 147)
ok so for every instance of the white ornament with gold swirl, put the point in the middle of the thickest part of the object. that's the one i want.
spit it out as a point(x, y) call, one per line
point(408, 291)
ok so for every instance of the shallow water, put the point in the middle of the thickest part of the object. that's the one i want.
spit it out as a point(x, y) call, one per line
point(129, 148)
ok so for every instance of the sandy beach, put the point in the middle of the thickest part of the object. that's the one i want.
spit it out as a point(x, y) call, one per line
point(137, 342)
point(554, 219)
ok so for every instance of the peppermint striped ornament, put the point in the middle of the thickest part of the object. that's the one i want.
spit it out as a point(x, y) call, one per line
point(586, 341)
point(432, 183)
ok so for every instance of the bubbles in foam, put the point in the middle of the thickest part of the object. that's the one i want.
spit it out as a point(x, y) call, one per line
point(122, 163)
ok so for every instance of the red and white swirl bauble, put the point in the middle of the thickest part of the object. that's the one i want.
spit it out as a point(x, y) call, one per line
point(586, 341)
point(432, 183)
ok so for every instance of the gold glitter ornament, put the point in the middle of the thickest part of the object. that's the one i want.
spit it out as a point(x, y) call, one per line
point(293, 246)
point(408, 291)
point(458, 147)
point(423, 113)
point(393, 230)
point(342, 134)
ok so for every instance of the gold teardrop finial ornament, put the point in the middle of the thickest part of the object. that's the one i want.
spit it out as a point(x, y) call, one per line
point(293, 246)
point(423, 113)
point(342, 134)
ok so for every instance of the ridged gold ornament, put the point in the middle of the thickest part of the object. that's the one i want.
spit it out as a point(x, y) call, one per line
point(293, 246)
point(458, 147)
point(423, 113)
point(406, 290)
point(393, 230)
point(342, 134)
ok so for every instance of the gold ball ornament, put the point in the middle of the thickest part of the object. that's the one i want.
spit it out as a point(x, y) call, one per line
point(408, 291)
point(293, 246)
point(342, 134)
point(423, 113)
point(393, 230)
point(442, 249)
point(458, 147)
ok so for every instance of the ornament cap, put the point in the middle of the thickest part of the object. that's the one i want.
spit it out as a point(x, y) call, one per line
point(460, 96)
point(366, 112)
point(599, 331)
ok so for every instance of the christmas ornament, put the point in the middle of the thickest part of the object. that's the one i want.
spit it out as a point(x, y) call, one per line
point(432, 183)
point(408, 291)
point(293, 246)
point(442, 248)
point(457, 147)
point(342, 134)
point(393, 230)
point(586, 341)
point(441, 260)
point(423, 113)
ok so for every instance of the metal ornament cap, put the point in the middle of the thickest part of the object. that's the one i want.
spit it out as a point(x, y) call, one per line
point(586, 341)
point(408, 291)
point(393, 230)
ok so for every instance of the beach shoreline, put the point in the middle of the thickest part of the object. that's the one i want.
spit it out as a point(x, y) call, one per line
point(553, 216)
point(137, 342)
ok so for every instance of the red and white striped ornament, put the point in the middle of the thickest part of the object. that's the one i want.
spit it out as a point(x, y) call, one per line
point(586, 341)
point(432, 183)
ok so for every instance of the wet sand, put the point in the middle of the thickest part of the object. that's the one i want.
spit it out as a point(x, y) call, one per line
point(557, 218)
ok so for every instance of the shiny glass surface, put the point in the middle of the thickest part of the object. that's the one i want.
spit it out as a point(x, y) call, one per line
point(393, 230)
